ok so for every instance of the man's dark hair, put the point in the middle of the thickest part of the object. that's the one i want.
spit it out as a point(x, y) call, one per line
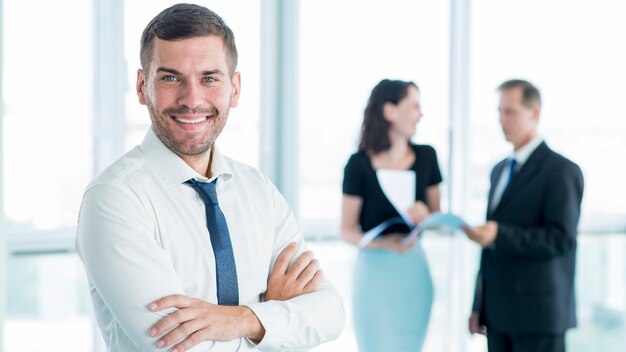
point(183, 21)
point(530, 93)
point(375, 129)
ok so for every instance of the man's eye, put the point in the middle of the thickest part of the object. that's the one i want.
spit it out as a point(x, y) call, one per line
point(169, 78)
point(210, 79)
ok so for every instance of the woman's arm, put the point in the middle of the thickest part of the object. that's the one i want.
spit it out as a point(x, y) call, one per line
point(351, 233)
point(433, 198)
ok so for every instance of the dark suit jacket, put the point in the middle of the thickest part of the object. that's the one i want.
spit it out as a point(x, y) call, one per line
point(526, 278)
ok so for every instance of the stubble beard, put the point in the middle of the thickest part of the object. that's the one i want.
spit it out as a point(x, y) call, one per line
point(166, 135)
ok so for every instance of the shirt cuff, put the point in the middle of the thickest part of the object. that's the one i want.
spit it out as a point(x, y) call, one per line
point(275, 322)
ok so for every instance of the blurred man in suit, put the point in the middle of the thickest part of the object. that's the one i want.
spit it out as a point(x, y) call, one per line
point(524, 294)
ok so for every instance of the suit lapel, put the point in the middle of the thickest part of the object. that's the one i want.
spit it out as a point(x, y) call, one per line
point(495, 178)
point(526, 173)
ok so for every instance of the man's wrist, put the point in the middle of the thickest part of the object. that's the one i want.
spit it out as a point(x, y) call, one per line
point(253, 329)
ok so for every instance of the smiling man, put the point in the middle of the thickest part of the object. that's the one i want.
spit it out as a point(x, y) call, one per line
point(187, 249)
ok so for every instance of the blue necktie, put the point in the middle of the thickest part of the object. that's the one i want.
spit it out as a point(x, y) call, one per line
point(226, 270)
point(512, 163)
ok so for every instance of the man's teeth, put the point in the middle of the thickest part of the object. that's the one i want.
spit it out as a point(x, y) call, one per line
point(200, 119)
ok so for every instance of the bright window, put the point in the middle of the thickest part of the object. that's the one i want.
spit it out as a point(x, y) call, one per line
point(346, 49)
point(48, 305)
point(570, 51)
point(47, 140)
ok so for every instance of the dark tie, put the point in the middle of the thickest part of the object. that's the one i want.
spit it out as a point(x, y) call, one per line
point(512, 163)
point(226, 270)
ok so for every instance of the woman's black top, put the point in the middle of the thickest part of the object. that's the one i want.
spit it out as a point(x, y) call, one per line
point(360, 180)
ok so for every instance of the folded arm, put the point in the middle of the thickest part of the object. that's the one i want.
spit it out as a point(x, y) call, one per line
point(305, 321)
point(125, 265)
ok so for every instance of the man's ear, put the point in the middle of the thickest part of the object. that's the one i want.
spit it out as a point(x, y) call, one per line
point(536, 109)
point(236, 82)
point(140, 87)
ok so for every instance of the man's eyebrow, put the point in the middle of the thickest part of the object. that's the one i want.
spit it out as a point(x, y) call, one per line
point(178, 73)
point(213, 72)
point(169, 70)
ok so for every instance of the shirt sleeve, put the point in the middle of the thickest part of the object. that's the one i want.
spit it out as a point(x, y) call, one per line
point(353, 177)
point(435, 172)
point(306, 321)
point(125, 265)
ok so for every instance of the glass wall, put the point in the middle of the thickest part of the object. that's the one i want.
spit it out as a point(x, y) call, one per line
point(48, 307)
point(568, 49)
point(347, 47)
point(571, 50)
point(47, 93)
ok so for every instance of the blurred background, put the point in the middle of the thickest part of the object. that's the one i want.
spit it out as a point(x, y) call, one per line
point(68, 70)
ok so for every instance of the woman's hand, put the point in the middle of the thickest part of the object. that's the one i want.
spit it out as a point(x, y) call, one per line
point(418, 212)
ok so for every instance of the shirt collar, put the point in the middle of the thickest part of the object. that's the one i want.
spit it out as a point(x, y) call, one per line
point(174, 170)
point(523, 153)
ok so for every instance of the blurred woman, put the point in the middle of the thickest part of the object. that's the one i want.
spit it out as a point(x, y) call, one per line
point(393, 290)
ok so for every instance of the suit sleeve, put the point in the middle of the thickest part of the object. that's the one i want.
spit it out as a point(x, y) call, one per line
point(302, 322)
point(557, 234)
point(478, 293)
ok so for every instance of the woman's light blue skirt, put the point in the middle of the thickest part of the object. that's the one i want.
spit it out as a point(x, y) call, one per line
point(393, 296)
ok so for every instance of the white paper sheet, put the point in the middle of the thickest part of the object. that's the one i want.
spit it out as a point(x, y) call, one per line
point(436, 220)
point(399, 188)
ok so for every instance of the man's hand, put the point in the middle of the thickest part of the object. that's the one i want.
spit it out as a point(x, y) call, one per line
point(484, 235)
point(196, 321)
point(418, 212)
point(285, 282)
point(474, 327)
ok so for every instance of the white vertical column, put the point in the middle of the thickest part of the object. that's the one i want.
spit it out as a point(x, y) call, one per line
point(459, 103)
point(279, 96)
point(109, 91)
point(109, 82)
point(3, 239)
point(459, 304)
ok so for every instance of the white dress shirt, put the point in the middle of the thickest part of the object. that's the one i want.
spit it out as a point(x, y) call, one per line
point(521, 156)
point(142, 235)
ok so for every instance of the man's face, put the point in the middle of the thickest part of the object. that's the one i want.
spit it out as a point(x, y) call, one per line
point(188, 90)
point(519, 122)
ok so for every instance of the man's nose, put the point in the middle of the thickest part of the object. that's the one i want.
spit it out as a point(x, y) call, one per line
point(191, 95)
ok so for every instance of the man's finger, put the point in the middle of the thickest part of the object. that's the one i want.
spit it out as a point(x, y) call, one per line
point(282, 262)
point(181, 332)
point(315, 282)
point(177, 301)
point(300, 264)
point(308, 273)
point(170, 321)
point(189, 342)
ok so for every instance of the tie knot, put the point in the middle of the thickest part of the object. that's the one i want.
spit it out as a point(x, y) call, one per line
point(512, 163)
point(206, 190)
